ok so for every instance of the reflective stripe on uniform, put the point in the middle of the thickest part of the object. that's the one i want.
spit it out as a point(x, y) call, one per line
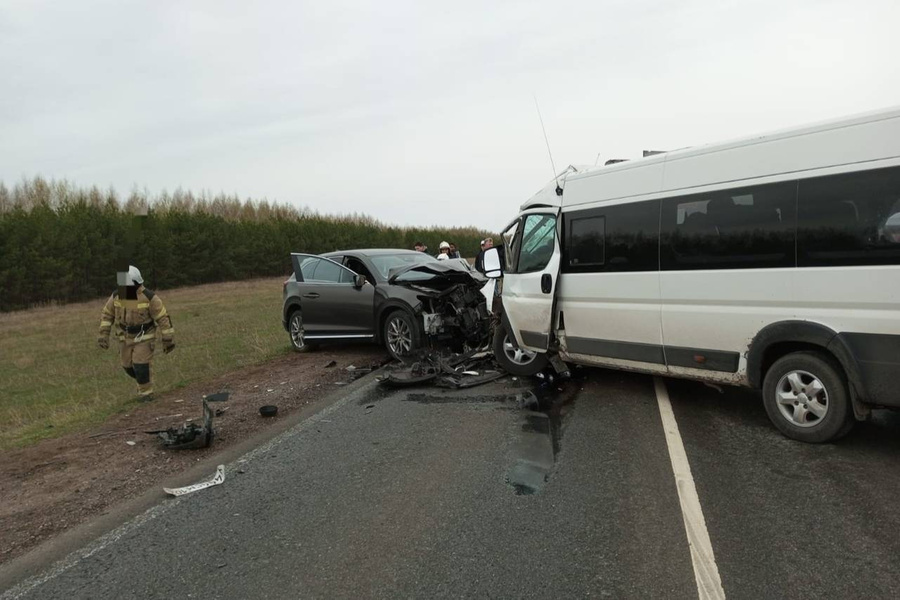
point(106, 323)
point(138, 340)
point(143, 305)
point(169, 331)
point(161, 314)
point(117, 303)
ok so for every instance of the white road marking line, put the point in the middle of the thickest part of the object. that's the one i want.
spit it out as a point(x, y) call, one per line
point(709, 584)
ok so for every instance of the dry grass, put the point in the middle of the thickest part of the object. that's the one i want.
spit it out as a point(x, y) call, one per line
point(54, 379)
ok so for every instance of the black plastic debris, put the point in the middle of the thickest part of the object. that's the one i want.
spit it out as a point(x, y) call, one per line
point(269, 410)
point(449, 370)
point(190, 435)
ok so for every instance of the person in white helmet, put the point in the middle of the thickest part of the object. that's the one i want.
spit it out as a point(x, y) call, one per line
point(139, 319)
point(444, 251)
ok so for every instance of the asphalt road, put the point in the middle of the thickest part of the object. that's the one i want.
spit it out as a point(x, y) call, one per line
point(512, 491)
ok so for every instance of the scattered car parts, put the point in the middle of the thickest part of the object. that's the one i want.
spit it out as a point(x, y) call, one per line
point(445, 370)
point(218, 478)
point(191, 436)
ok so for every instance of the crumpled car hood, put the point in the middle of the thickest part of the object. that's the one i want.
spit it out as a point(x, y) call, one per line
point(442, 273)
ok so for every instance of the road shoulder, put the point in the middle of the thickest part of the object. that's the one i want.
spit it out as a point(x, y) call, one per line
point(60, 494)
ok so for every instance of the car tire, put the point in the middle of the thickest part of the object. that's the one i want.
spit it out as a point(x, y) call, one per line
point(295, 332)
point(806, 397)
point(513, 359)
point(400, 334)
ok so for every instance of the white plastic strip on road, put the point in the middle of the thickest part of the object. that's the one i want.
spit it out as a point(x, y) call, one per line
point(709, 584)
point(216, 480)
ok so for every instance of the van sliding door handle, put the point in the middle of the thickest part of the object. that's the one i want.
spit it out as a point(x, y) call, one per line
point(311, 295)
point(546, 283)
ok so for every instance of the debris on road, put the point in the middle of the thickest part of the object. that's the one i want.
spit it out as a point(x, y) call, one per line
point(190, 435)
point(330, 364)
point(446, 370)
point(216, 480)
point(269, 410)
point(130, 443)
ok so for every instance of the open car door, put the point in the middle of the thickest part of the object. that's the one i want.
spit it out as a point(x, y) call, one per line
point(335, 301)
point(531, 272)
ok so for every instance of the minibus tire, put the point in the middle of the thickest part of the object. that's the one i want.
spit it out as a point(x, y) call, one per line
point(538, 364)
point(796, 374)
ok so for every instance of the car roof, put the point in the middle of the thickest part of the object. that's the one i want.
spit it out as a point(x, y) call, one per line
point(371, 252)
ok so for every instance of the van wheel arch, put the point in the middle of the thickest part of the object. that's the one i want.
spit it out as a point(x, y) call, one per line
point(785, 337)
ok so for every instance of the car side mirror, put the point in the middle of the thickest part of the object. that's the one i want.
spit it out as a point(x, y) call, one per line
point(359, 281)
point(491, 265)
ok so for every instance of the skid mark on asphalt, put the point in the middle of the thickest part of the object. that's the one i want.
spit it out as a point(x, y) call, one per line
point(709, 584)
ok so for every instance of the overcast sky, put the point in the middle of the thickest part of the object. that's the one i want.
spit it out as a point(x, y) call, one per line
point(414, 112)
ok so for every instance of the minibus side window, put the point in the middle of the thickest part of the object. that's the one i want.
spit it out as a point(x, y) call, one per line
point(850, 219)
point(742, 228)
point(609, 239)
point(587, 242)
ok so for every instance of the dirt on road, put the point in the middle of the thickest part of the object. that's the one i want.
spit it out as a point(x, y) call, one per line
point(57, 484)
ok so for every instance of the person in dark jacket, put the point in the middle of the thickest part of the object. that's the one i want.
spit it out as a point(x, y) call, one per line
point(486, 244)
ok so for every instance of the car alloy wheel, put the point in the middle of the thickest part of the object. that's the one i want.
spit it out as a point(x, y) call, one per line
point(297, 333)
point(399, 336)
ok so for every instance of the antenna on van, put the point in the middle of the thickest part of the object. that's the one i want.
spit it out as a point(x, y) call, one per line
point(550, 154)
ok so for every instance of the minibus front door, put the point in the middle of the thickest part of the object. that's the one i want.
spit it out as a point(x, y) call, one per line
point(530, 277)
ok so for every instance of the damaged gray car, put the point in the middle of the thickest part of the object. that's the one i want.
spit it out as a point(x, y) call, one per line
point(406, 300)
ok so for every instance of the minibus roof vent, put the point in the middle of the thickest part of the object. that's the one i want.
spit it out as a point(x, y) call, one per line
point(613, 161)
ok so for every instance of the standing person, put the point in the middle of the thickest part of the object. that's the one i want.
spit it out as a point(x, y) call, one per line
point(454, 251)
point(486, 244)
point(137, 314)
point(420, 247)
point(444, 251)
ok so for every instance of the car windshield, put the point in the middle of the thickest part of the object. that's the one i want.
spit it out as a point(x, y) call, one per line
point(385, 262)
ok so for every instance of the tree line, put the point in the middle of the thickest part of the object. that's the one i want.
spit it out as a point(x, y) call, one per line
point(63, 243)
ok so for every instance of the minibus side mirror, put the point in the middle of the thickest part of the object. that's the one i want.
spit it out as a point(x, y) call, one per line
point(492, 268)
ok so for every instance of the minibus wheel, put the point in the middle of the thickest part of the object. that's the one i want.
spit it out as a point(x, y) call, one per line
point(806, 397)
point(515, 360)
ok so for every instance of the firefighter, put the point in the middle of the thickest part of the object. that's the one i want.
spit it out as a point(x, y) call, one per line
point(140, 321)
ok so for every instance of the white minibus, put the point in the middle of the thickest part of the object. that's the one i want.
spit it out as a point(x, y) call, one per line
point(771, 262)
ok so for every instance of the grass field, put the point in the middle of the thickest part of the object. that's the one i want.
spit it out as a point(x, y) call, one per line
point(54, 379)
